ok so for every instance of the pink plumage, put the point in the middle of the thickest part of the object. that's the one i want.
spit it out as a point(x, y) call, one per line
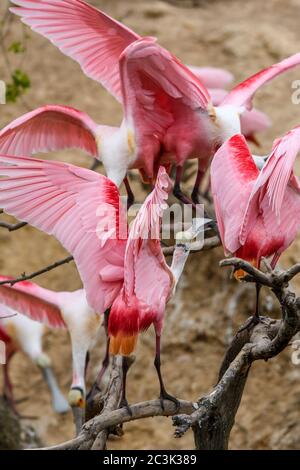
point(82, 32)
point(242, 94)
point(30, 299)
point(81, 208)
point(169, 116)
point(212, 77)
point(148, 280)
point(249, 226)
point(51, 128)
point(166, 105)
point(278, 187)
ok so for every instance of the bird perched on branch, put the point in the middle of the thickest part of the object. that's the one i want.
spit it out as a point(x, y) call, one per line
point(56, 310)
point(258, 212)
point(168, 113)
point(20, 333)
point(83, 209)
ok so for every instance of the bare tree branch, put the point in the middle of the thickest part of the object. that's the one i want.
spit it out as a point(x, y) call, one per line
point(25, 277)
point(273, 279)
point(142, 410)
point(213, 421)
point(12, 227)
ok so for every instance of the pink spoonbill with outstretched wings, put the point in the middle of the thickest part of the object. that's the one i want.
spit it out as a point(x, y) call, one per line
point(83, 210)
point(169, 116)
point(258, 212)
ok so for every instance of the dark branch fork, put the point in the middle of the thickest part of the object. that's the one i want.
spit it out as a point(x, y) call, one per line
point(213, 421)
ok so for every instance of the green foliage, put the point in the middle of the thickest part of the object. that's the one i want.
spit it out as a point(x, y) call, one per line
point(17, 47)
point(19, 84)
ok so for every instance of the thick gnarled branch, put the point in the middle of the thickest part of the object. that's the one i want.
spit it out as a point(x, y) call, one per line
point(213, 421)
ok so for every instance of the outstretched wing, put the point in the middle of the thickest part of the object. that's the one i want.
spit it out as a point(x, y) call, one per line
point(233, 172)
point(50, 128)
point(81, 208)
point(242, 94)
point(147, 275)
point(148, 280)
point(275, 177)
point(20, 298)
point(158, 90)
point(82, 32)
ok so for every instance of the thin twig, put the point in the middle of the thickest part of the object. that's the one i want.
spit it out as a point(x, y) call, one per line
point(25, 277)
point(12, 227)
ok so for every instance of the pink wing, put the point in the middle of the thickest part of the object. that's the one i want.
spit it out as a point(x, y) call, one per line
point(254, 121)
point(81, 208)
point(50, 128)
point(21, 299)
point(217, 95)
point(275, 177)
point(233, 173)
point(147, 278)
point(147, 274)
point(82, 32)
point(157, 90)
point(243, 93)
point(212, 77)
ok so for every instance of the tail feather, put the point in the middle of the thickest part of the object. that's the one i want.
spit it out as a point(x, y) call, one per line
point(126, 320)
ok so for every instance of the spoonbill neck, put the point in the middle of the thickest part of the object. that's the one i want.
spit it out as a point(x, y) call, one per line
point(228, 119)
point(118, 152)
point(180, 256)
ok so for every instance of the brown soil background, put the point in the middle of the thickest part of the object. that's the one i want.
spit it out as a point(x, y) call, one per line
point(243, 37)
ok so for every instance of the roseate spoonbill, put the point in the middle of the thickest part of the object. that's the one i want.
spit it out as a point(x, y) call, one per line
point(148, 281)
point(57, 127)
point(20, 333)
point(83, 210)
point(169, 116)
point(57, 310)
point(258, 213)
point(252, 121)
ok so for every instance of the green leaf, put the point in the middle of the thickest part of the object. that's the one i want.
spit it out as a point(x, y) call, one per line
point(16, 47)
point(21, 79)
point(19, 84)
